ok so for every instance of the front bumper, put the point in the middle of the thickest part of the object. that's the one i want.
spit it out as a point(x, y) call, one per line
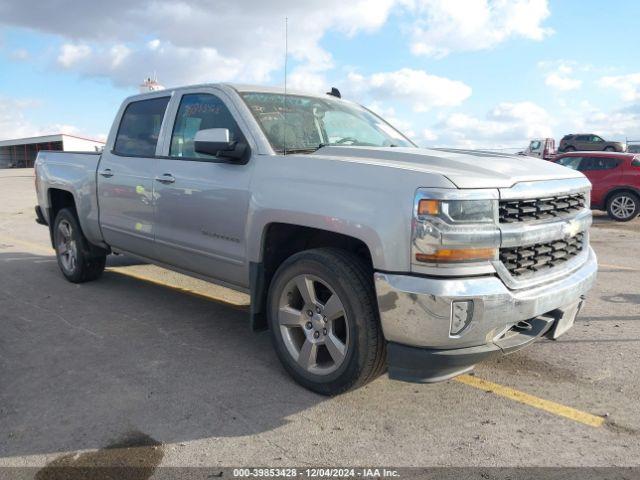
point(416, 318)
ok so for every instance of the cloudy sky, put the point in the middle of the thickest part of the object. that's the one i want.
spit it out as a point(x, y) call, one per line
point(464, 73)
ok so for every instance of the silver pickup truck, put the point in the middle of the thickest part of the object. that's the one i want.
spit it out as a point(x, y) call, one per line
point(360, 251)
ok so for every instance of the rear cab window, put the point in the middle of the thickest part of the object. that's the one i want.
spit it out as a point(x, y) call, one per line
point(140, 127)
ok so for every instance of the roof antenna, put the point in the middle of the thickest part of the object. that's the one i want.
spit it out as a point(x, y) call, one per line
point(284, 115)
point(334, 92)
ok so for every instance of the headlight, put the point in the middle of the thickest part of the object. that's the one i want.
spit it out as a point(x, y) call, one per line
point(455, 228)
point(459, 211)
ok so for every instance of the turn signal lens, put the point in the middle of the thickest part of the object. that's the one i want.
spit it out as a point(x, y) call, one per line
point(428, 207)
point(458, 255)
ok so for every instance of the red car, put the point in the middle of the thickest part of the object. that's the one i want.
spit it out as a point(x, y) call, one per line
point(615, 178)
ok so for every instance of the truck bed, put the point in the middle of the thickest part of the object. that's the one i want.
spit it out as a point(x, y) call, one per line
point(74, 172)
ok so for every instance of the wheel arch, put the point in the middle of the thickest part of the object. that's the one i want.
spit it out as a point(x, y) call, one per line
point(618, 189)
point(58, 199)
point(280, 240)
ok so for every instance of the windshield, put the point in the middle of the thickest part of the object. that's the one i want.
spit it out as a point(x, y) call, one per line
point(312, 122)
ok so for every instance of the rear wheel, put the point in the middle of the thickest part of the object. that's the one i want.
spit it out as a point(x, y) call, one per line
point(609, 149)
point(324, 321)
point(623, 206)
point(569, 149)
point(77, 259)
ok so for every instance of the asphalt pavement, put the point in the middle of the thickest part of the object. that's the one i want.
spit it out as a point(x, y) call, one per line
point(152, 359)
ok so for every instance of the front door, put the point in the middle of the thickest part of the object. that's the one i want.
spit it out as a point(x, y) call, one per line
point(201, 200)
point(603, 173)
point(125, 178)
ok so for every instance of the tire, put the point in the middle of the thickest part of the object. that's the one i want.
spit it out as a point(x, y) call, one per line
point(569, 149)
point(623, 206)
point(332, 341)
point(609, 149)
point(78, 260)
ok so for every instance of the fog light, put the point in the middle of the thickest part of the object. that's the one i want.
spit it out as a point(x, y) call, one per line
point(461, 315)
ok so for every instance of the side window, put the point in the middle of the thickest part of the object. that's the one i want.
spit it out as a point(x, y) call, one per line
point(570, 162)
point(140, 127)
point(596, 138)
point(582, 138)
point(200, 111)
point(535, 145)
point(635, 162)
point(598, 163)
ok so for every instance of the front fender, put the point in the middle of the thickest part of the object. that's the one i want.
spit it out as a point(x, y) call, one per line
point(372, 203)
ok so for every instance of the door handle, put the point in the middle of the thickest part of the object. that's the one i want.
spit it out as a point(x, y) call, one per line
point(165, 178)
point(107, 173)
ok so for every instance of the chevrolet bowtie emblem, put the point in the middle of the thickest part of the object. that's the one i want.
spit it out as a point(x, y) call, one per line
point(571, 228)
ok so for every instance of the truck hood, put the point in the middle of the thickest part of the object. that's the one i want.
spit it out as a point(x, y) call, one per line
point(464, 168)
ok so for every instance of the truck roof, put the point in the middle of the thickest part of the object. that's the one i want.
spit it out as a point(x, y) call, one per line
point(238, 87)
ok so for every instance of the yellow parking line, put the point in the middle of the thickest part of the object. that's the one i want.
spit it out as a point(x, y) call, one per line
point(532, 401)
point(43, 250)
point(188, 291)
point(36, 248)
point(618, 267)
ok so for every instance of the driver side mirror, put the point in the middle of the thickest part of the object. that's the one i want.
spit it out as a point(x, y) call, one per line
point(213, 141)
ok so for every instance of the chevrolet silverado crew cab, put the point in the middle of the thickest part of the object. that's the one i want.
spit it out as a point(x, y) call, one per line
point(360, 251)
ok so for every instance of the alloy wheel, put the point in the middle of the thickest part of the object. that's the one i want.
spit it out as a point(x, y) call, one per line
point(66, 246)
point(623, 206)
point(313, 324)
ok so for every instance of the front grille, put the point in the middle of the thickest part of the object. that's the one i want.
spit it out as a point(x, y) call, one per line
point(512, 211)
point(533, 258)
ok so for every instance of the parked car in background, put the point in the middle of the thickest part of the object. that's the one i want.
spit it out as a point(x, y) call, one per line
point(615, 179)
point(634, 148)
point(588, 142)
point(541, 148)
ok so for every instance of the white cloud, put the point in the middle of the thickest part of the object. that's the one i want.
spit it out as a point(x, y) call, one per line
point(627, 85)
point(559, 74)
point(429, 135)
point(195, 41)
point(244, 41)
point(14, 121)
point(415, 87)
point(563, 83)
point(20, 54)
point(445, 26)
point(71, 54)
point(506, 125)
point(118, 54)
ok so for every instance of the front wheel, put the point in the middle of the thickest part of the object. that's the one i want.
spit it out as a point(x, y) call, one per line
point(623, 206)
point(324, 321)
point(77, 259)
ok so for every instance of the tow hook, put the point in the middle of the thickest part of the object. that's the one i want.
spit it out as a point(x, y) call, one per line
point(523, 326)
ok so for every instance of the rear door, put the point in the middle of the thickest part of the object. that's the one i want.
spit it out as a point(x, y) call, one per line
point(125, 176)
point(597, 143)
point(202, 201)
point(604, 173)
point(583, 142)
